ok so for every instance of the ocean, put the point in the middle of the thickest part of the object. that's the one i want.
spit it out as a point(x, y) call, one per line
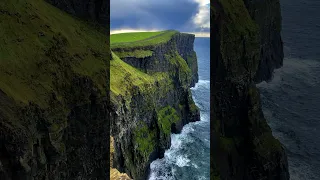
point(291, 101)
point(189, 155)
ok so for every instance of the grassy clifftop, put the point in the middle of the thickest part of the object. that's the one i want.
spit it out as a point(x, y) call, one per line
point(140, 39)
point(124, 77)
point(43, 47)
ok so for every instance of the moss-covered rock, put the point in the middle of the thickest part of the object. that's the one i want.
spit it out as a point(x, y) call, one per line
point(167, 116)
point(144, 139)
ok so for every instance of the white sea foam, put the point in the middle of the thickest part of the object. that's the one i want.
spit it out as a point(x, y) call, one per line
point(182, 161)
point(202, 84)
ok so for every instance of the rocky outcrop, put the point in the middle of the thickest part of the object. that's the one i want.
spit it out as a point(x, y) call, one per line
point(242, 143)
point(114, 173)
point(143, 119)
point(267, 15)
point(93, 10)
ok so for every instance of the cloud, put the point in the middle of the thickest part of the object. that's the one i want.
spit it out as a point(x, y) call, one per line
point(202, 18)
point(151, 14)
point(182, 15)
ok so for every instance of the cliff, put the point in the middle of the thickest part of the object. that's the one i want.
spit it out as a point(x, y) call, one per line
point(242, 143)
point(150, 97)
point(267, 15)
point(53, 94)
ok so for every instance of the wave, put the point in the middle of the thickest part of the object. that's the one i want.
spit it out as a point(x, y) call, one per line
point(201, 84)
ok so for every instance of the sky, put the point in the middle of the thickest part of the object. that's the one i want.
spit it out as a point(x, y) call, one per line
point(191, 16)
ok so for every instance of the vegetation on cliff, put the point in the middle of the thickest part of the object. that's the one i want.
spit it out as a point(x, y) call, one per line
point(44, 47)
point(53, 78)
point(166, 117)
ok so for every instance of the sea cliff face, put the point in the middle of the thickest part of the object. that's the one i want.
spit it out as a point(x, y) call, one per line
point(267, 15)
point(142, 118)
point(54, 118)
point(242, 143)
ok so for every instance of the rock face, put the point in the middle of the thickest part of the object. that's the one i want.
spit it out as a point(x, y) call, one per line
point(242, 143)
point(93, 10)
point(54, 118)
point(267, 15)
point(141, 121)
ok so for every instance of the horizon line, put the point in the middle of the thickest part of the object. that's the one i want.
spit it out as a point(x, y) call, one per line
point(119, 31)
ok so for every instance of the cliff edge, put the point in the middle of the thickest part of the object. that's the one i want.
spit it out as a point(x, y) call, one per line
point(242, 143)
point(150, 96)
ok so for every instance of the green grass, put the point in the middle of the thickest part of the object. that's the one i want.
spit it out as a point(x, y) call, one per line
point(123, 77)
point(131, 37)
point(129, 40)
point(145, 139)
point(166, 117)
point(43, 48)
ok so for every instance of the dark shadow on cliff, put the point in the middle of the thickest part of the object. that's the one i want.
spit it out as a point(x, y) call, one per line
point(242, 145)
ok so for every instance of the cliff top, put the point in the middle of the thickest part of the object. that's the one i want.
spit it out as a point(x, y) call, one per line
point(125, 77)
point(140, 39)
point(43, 47)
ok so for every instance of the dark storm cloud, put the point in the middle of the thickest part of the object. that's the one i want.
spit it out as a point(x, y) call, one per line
point(153, 14)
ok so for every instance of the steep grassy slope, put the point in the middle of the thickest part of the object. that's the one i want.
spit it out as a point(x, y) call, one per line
point(124, 77)
point(53, 94)
point(40, 41)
